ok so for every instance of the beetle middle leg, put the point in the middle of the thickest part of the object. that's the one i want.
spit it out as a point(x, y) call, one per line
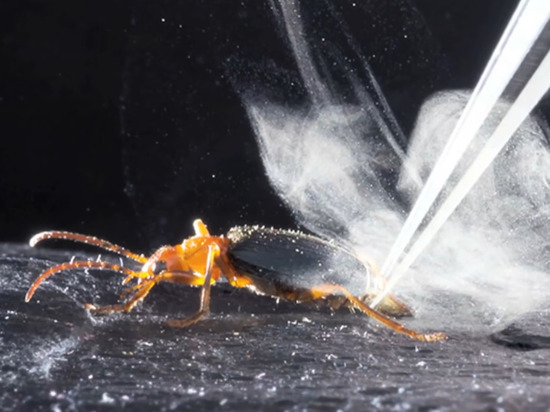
point(331, 289)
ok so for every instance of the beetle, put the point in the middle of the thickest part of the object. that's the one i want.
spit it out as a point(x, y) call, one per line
point(284, 264)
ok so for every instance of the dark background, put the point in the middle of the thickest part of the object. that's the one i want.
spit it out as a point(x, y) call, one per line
point(120, 119)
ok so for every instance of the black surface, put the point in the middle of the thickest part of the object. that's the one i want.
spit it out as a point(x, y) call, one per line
point(249, 354)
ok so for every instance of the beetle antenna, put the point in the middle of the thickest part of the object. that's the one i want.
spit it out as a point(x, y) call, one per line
point(78, 264)
point(89, 240)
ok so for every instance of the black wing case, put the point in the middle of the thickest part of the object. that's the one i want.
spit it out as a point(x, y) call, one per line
point(295, 260)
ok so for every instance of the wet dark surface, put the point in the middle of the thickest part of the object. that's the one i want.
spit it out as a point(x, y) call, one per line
point(250, 353)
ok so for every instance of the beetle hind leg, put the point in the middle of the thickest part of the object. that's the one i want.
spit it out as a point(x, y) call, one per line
point(331, 289)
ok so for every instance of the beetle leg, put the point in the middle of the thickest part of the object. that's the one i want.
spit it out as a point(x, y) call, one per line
point(141, 290)
point(330, 289)
point(236, 279)
point(213, 253)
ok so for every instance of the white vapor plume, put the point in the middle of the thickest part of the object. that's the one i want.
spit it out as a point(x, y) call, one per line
point(329, 160)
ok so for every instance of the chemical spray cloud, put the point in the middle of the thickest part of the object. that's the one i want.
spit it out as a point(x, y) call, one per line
point(330, 159)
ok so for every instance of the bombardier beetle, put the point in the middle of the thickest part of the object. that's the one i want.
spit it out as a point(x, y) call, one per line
point(284, 264)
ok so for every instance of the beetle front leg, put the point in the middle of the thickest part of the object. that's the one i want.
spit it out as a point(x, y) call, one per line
point(141, 290)
point(125, 307)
